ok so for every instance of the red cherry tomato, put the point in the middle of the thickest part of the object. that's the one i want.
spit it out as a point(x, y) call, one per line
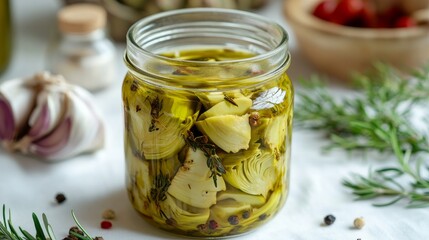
point(368, 16)
point(405, 22)
point(391, 15)
point(324, 9)
point(361, 13)
point(347, 11)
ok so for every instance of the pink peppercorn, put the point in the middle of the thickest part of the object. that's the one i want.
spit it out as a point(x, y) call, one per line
point(106, 225)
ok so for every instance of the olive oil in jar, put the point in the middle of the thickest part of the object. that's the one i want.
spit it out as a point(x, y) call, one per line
point(208, 163)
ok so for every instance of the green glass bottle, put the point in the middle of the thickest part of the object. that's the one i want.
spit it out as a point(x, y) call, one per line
point(5, 34)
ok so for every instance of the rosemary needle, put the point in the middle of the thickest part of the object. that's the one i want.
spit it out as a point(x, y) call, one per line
point(9, 232)
point(378, 118)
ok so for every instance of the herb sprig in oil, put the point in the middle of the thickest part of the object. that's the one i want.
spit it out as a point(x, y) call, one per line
point(214, 163)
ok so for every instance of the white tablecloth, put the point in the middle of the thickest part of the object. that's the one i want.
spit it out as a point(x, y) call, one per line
point(95, 182)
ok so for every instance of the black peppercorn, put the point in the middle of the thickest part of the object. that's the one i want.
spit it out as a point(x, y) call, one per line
point(60, 197)
point(329, 219)
point(245, 214)
point(233, 220)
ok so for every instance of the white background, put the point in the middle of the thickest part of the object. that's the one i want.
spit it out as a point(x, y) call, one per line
point(93, 183)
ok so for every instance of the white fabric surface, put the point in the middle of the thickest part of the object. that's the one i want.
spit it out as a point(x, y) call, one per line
point(95, 182)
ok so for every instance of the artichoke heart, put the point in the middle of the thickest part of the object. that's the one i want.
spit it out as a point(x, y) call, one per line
point(139, 173)
point(275, 133)
point(193, 183)
point(241, 197)
point(223, 210)
point(253, 172)
point(157, 125)
point(237, 106)
point(138, 182)
point(229, 132)
point(185, 216)
point(212, 98)
point(167, 167)
point(275, 200)
point(258, 132)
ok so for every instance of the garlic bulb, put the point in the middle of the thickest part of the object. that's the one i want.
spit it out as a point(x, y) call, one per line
point(47, 117)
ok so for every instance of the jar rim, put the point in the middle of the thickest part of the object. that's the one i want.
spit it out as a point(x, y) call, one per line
point(281, 46)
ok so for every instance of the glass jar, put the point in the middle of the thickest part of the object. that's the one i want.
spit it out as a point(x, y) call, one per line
point(6, 35)
point(82, 53)
point(208, 118)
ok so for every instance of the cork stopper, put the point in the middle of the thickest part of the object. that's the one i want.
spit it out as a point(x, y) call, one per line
point(81, 18)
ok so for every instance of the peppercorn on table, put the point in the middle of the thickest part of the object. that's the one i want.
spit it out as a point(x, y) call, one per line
point(93, 184)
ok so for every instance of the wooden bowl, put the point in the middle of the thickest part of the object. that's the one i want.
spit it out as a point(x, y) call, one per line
point(341, 51)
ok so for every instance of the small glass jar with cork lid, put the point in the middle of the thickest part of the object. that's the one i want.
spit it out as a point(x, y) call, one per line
point(83, 54)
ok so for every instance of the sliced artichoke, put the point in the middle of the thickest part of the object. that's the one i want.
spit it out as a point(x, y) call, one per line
point(181, 215)
point(193, 183)
point(254, 171)
point(138, 182)
point(212, 98)
point(244, 217)
point(241, 197)
point(141, 177)
point(275, 133)
point(228, 212)
point(274, 201)
point(167, 167)
point(229, 132)
point(235, 106)
point(258, 132)
point(158, 124)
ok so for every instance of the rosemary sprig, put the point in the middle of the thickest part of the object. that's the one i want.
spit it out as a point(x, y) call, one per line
point(9, 232)
point(363, 122)
point(378, 118)
point(385, 181)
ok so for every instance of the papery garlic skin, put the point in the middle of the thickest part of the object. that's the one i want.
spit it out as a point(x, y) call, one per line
point(54, 120)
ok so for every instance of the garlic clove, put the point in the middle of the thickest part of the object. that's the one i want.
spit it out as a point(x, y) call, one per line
point(16, 103)
point(54, 142)
point(47, 114)
point(81, 130)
